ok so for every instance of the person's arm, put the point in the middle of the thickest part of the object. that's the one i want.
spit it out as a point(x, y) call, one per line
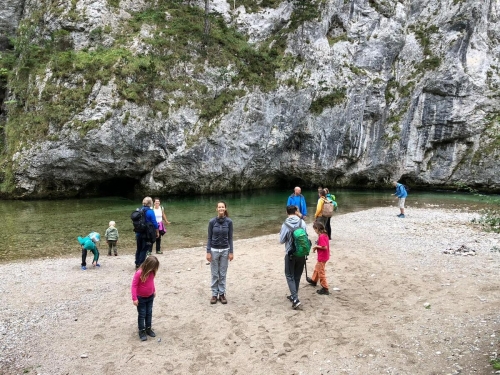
point(303, 206)
point(133, 288)
point(319, 208)
point(230, 239)
point(283, 233)
point(322, 243)
point(209, 239)
point(164, 216)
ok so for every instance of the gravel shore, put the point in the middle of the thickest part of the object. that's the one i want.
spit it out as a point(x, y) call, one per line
point(412, 296)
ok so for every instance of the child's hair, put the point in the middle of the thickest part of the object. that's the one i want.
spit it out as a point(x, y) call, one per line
point(226, 214)
point(151, 264)
point(112, 223)
point(320, 227)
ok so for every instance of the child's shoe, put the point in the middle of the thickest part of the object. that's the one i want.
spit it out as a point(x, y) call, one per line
point(323, 291)
point(309, 280)
point(142, 335)
point(150, 332)
point(84, 268)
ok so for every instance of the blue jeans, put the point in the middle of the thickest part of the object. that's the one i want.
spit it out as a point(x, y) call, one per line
point(145, 312)
point(293, 271)
point(143, 246)
point(218, 267)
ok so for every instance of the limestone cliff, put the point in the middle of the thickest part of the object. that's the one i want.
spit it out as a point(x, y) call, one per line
point(147, 96)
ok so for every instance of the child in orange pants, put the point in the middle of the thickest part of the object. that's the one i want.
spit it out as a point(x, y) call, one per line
point(323, 248)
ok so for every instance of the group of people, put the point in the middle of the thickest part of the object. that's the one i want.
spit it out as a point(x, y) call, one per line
point(219, 250)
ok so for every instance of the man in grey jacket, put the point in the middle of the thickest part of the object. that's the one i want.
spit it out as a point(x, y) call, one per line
point(294, 266)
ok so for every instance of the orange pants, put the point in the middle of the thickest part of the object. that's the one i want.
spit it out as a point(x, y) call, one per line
point(319, 274)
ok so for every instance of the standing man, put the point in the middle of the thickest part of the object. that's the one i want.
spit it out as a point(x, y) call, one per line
point(294, 266)
point(401, 193)
point(145, 240)
point(298, 200)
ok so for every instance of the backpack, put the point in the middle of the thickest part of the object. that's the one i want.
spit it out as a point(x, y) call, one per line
point(301, 245)
point(139, 220)
point(327, 209)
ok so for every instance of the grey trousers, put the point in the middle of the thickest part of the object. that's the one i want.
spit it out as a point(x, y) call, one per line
point(218, 266)
point(293, 272)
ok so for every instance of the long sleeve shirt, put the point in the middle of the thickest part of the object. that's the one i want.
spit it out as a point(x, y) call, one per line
point(142, 289)
point(319, 207)
point(220, 234)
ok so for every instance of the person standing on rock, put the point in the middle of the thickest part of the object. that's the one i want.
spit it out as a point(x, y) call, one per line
point(401, 194)
point(298, 200)
point(145, 240)
point(294, 266)
point(219, 251)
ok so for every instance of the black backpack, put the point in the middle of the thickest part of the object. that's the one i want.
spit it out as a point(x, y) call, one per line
point(138, 217)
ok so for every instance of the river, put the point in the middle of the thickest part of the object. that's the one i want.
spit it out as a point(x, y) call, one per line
point(48, 228)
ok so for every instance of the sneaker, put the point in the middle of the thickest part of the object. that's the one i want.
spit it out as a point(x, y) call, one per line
point(148, 253)
point(222, 299)
point(116, 254)
point(289, 298)
point(323, 291)
point(142, 335)
point(309, 280)
point(213, 300)
point(295, 304)
point(109, 254)
point(150, 332)
point(84, 268)
point(159, 252)
point(401, 216)
point(97, 265)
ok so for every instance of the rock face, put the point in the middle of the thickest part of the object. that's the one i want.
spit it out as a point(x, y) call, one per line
point(419, 83)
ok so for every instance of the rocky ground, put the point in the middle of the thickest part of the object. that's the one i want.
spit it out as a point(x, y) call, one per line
point(413, 296)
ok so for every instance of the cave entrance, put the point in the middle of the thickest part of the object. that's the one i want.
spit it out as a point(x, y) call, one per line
point(114, 187)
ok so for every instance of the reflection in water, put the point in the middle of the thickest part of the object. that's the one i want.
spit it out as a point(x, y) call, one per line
point(36, 229)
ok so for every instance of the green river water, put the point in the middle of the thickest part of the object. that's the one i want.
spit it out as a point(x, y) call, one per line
point(41, 229)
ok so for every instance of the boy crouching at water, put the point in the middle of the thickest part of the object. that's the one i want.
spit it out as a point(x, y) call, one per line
point(112, 238)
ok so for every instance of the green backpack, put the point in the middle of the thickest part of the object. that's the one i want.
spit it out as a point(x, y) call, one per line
point(301, 245)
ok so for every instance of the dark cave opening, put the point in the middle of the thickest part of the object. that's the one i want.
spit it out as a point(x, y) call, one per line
point(114, 187)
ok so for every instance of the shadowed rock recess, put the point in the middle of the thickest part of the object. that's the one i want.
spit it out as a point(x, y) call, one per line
point(163, 96)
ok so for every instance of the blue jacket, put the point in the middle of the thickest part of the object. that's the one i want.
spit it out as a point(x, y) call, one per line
point(299, 201)
point(401, 191)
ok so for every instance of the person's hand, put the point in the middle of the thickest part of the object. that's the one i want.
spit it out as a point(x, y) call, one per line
point(314, 249)
point(154, 294)
point(157, 233)
point(136, 302)
point(231, 256)
point(209, 257)
point(167, 222)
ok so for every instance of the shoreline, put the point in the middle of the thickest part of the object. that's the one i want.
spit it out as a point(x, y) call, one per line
point(386, 269)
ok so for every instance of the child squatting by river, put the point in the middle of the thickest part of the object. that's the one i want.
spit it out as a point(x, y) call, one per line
point(143, 294)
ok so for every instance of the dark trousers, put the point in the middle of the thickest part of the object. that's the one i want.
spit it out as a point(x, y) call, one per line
point(84, 256)
point(143, 246)
point(145, 312)
point(328, 228)
point(293, 272)
point(158, 244)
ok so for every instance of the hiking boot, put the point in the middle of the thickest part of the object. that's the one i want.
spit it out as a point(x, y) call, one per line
point(159, 252)
point(222, 299)
point(295, 303)
point(310, 281)
point(84, 268)
point(213, 300)
point(323, 291)
point(150, 332)
point(142, 335)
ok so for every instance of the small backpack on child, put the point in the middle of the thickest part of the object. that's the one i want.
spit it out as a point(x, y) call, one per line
point(301, 245)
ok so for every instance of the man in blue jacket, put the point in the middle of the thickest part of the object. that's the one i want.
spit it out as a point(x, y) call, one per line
point(145, 240)
point(401, 193)
point(298, 200)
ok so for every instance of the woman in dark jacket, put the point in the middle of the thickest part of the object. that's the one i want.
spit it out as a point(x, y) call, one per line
point(219, 250)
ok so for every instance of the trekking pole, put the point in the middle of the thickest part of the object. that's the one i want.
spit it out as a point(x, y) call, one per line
point(305, 266)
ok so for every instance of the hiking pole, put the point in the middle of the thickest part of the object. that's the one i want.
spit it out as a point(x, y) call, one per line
point(305, 266)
